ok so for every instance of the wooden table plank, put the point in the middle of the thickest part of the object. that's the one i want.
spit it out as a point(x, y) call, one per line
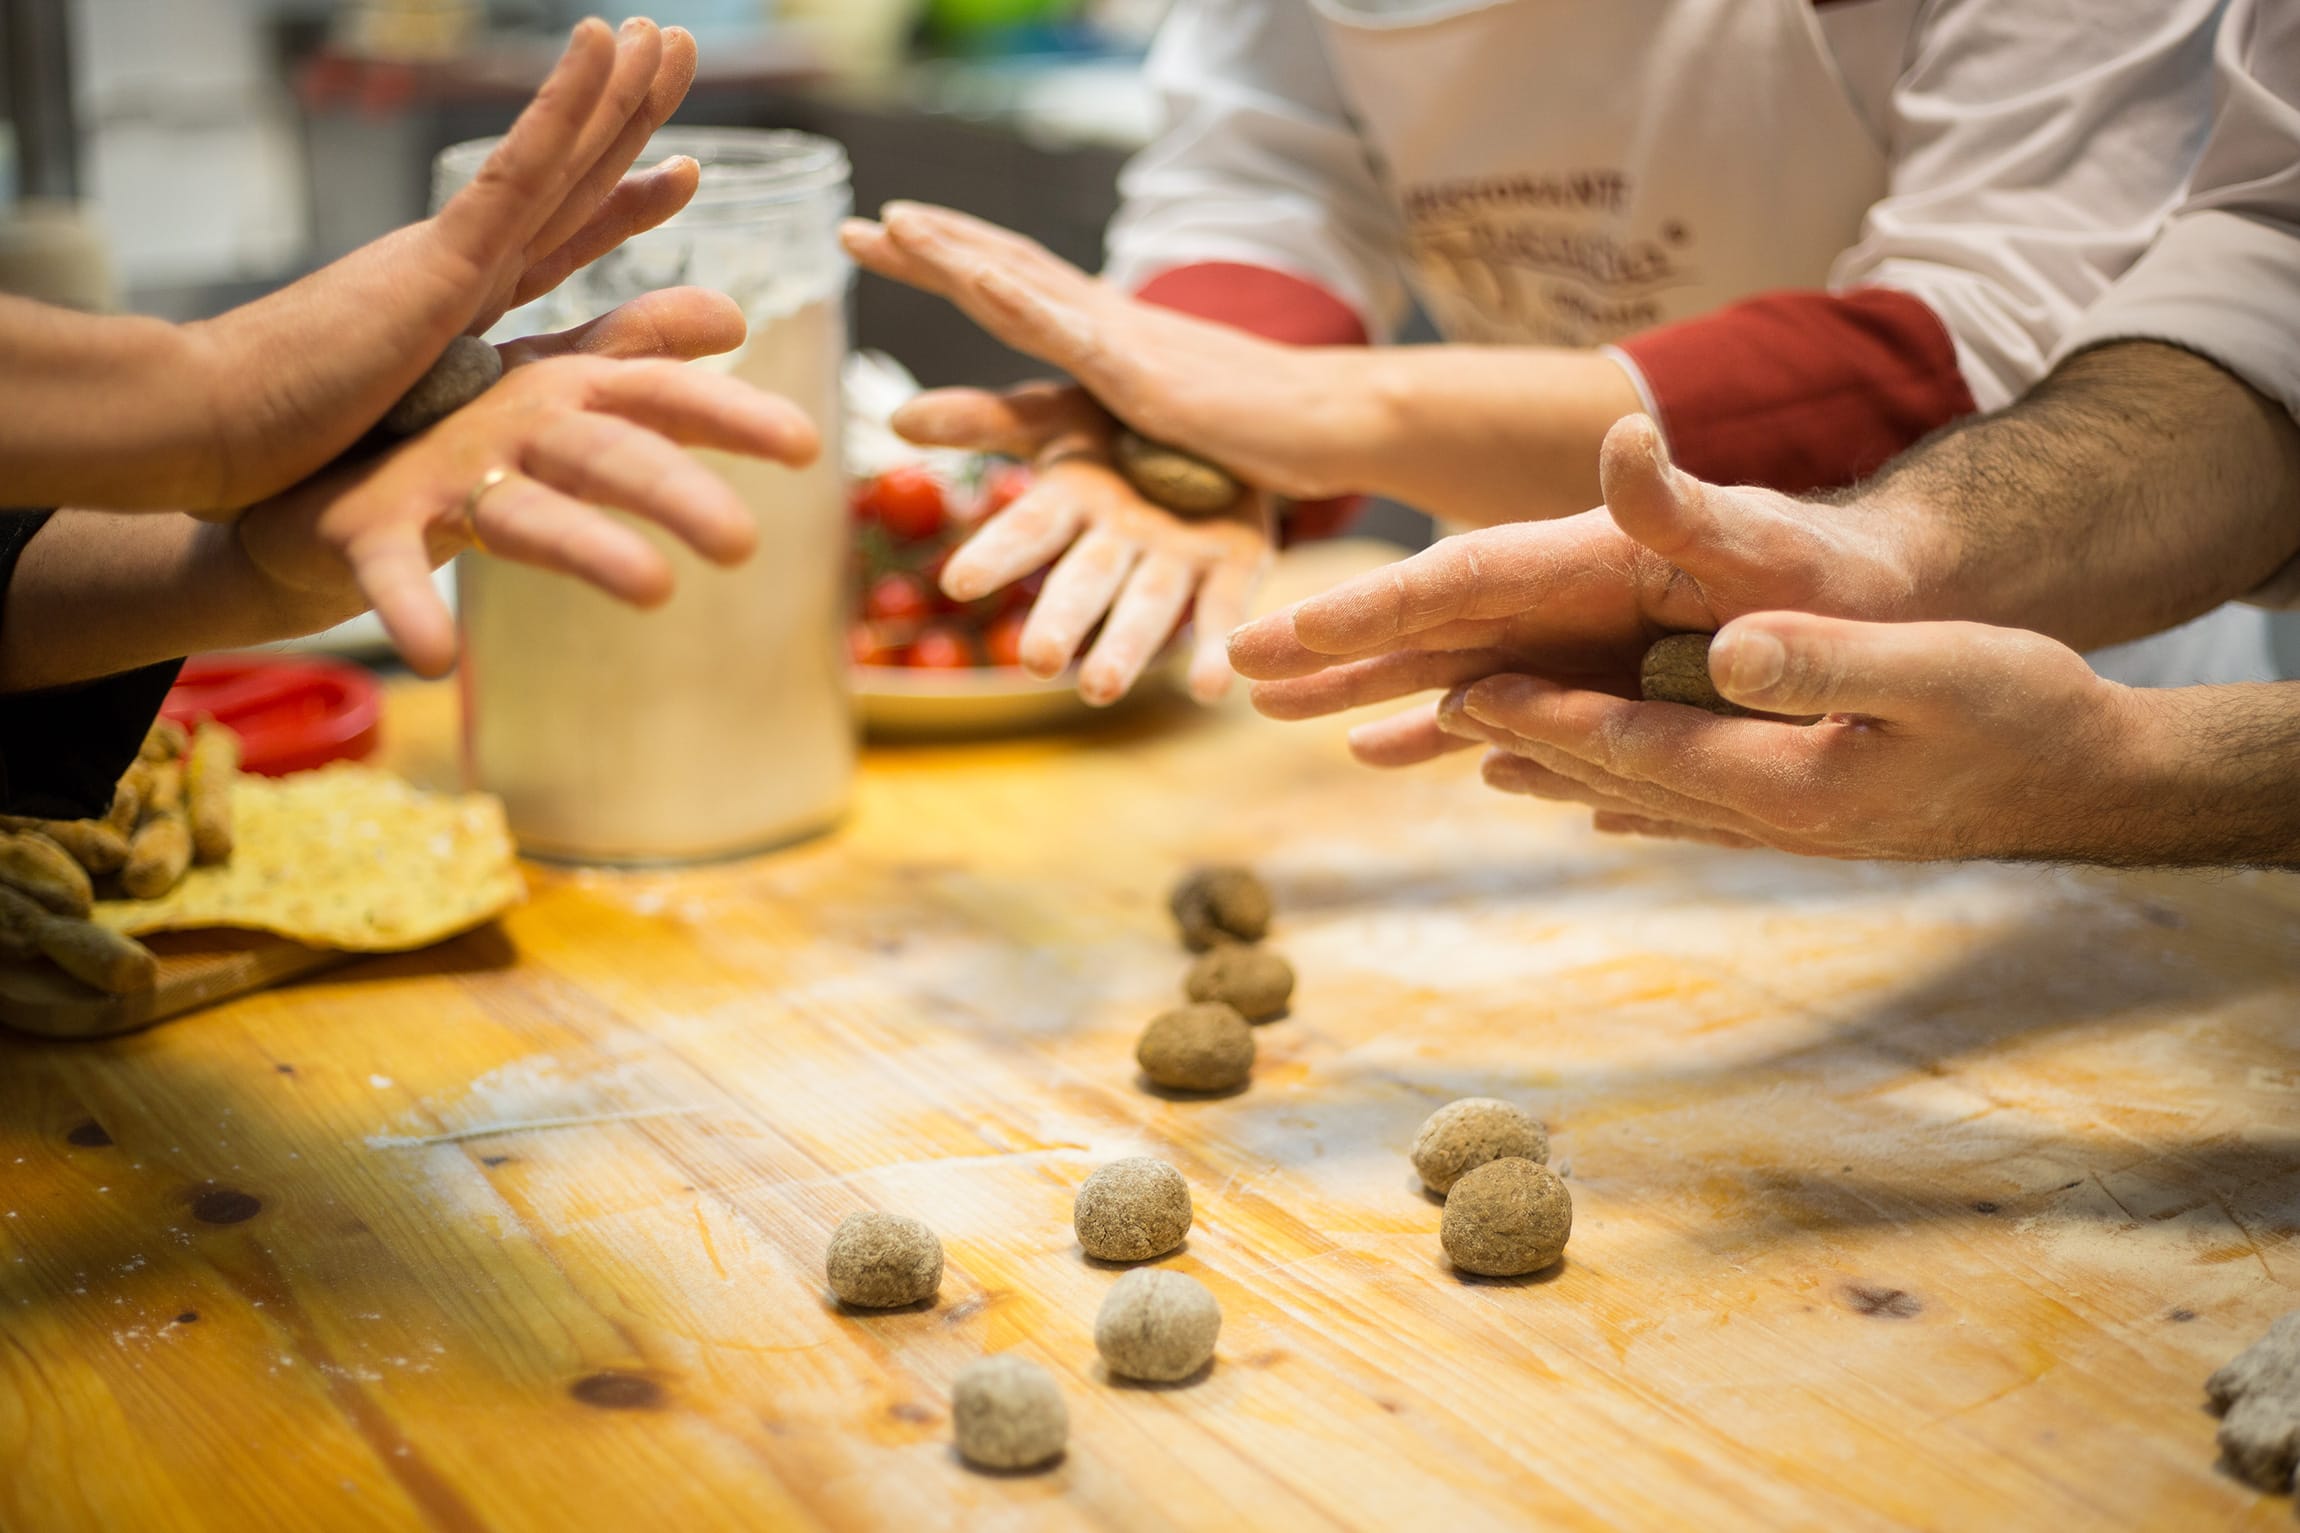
point(1904, 1197)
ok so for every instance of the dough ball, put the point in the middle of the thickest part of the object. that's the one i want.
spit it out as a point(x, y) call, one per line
point(878, 1261)
point(1676, 670)
point(467, 369)
point(1158, 1325)
point(1197, 1048)
point(1218, 905)
point(1132, 1210)
point(1182, 482)
point(1461, 1136)
point(1007, 1413)
point(1506, 1217)
point(1254, 982)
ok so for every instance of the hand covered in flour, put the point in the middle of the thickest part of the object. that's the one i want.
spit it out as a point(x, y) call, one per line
point(1133, 567)
point(1285, 418)
point(596, 416)
point(1575, 602)
point(1938, 740)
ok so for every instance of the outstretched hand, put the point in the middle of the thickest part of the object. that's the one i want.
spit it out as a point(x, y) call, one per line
point(1136, 569)
point(1575, 601)
point(294, 378)
point(596, 416)
point(1274, 415)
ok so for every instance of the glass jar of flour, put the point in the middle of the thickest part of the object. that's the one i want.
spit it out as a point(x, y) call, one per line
point(719, 723)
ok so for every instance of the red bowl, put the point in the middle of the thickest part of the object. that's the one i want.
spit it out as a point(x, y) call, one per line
point(292, 713)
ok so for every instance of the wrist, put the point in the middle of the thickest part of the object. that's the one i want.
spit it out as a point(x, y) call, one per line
point(275, 606)
point(2193, 776)
point(1343, 425)
point(1487, 434)
point(1922, 573)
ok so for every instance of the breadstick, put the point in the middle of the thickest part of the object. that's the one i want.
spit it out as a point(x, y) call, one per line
point(159, 855)
point(163, 790)
point(42, 869)
point(128, 799)
point(94, 955)
point(94, 844)
point(208, 774)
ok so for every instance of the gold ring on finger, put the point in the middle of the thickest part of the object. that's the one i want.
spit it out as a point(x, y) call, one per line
point(478, 492)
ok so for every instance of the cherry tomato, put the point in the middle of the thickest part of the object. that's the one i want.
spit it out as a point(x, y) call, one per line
point(867, 646)
point(907, 502)
point(940, 649)
point(1002, 641)
point(897, 598)
point(1002, 487)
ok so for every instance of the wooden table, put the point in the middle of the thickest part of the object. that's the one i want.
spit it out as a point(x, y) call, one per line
point(1903, 1197)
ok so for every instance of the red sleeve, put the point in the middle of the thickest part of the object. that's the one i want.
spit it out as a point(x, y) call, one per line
point(1277, 307)
point(1801, 391)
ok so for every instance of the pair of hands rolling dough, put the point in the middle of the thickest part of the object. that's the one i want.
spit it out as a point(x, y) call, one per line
point(242, 419)
point(1935, 739)
point(1481, 434)
point(1119, 559)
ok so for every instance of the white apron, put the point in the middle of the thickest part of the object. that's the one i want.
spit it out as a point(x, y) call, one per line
point(1574, 171)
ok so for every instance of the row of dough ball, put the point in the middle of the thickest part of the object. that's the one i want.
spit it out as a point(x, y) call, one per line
point(1208, 1045)
point(1006, 1411)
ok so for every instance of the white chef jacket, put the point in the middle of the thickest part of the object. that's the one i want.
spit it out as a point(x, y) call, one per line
point(2027, 150)
point(2032, 147)
point(2223, 278)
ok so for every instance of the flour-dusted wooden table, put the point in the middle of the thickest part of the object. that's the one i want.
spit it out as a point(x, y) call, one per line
point(1903, 1197)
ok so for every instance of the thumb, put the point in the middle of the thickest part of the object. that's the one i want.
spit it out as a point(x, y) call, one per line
point(1018, 423)
point(676, 323)
point(1797, 664)
point(1743, 546)
point(1650, 498)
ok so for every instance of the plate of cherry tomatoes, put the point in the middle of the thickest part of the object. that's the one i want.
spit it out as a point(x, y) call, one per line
point(923, 663)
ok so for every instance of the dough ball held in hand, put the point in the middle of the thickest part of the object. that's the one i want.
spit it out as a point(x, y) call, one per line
point(1182, 482)
point(883, 1261)
point(1676, 670)
point(467, 369)
point(1132, 1210)
point(1462, 1136)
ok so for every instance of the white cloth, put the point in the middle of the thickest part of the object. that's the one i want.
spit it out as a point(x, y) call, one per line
point(2223, 279)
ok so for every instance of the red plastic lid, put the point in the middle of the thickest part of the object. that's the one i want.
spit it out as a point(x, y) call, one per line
point(292, 713)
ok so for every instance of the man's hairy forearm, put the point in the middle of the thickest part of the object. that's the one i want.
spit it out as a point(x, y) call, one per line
point(2137, 487)
point(96, 593)
point(2211, 779)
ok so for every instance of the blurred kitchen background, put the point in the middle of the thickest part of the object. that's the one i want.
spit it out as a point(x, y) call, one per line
point(220, 147)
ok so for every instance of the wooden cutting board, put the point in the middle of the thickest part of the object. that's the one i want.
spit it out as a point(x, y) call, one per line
point(196, 969)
